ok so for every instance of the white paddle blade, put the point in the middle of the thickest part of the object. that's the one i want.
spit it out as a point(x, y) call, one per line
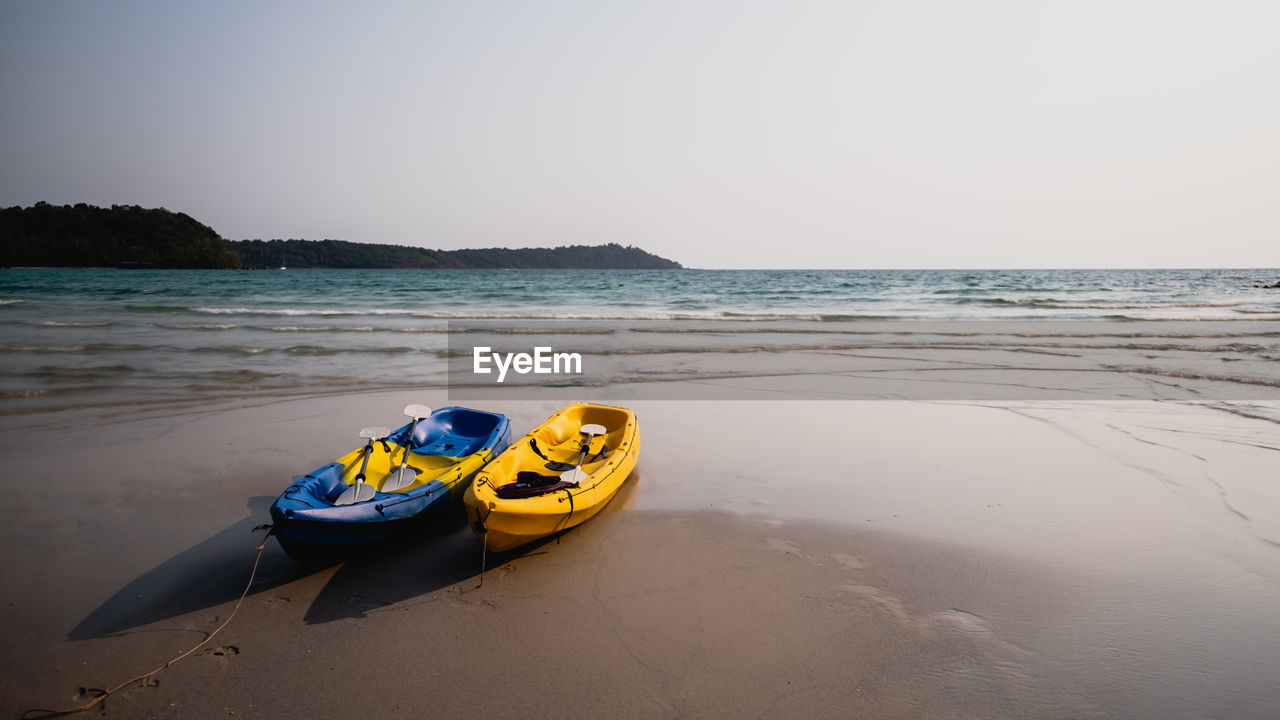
point(593, 429)
point(359, 492)
point(377, 432)
point(400, 478)
point(574, 476)
point(417, 412)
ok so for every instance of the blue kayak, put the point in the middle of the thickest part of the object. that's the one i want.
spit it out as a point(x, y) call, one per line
point(364, 496)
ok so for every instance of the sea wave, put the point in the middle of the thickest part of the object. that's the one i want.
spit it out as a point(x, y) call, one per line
point(66, 323)
point(1127, 305)
point(1195, 375)
point(161, 309)
point(91, 373)
point(913, 342)
point(492, 314)
point(1051, 303)
point(316, 329)
point(322, 350)
point(196, 326)
point(298, 312)
point(239, 376)
point(1034, 310)
point(1275, 315)
point(339, 329)
point(253, 350)
point(82, 349)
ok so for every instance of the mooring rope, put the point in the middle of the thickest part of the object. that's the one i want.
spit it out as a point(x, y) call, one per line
point(41, 713)
point(484, 548)
point(484, 558)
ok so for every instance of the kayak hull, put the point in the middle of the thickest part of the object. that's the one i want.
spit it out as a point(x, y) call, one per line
point(447, 449)
point(506, 523)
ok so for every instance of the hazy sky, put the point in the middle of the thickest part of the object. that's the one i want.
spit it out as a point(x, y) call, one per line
point(1000, 133)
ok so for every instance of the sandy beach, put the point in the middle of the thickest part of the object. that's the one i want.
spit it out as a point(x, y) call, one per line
point(1054, 559)
point(951, 331)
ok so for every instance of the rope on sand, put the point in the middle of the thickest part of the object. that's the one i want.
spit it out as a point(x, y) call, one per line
point(42, 713)
point(484, 549)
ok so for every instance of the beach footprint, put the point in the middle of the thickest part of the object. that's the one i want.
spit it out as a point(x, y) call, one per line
point(222, 653)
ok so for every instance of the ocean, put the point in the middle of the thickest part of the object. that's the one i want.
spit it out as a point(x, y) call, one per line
point(138, 338)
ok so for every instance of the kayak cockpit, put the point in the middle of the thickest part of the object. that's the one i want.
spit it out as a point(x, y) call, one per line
point(455, 432)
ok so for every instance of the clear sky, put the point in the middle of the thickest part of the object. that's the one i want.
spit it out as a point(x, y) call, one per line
point(984, 133)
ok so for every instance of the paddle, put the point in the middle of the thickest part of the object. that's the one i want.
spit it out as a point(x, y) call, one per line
point(361, 492)
point(576, 475)
point(405, 476)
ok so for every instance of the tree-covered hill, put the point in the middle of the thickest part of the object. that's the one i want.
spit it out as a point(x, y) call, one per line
point(340, 254)
point(45, 235)
point(612, 256)
point(82, 235)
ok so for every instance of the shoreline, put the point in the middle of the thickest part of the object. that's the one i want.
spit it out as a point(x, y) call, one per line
point(86, 365)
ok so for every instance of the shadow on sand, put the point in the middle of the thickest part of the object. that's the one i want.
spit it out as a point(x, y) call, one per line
point(395, 572)
point(202, 576)
point(448, 555)
point(214, 572)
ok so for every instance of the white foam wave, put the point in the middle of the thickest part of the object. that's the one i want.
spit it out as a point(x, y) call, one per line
point(65, 323)
point(1125, 304)
point(319, 329)
point(1038, 309)
point(198, 326)
point(492, 315)
point(45, 348)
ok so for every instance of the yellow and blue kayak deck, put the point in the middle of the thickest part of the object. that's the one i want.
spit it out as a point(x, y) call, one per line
point(448, 448)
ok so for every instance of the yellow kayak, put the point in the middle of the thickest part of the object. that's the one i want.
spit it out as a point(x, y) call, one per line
point(558, 476)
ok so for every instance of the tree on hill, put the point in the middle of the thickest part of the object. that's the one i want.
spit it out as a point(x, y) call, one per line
point(341, 254)
point(82, 235)
point(332, 254)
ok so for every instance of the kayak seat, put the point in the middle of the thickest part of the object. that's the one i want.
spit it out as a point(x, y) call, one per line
point(454, 432)
point(323, 485)
point(450, 445)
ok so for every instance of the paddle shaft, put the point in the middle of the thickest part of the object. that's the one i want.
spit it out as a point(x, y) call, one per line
point(354, 493)
point(586, 448)
point(576, 475)
point(408, 440)
point(364, 462)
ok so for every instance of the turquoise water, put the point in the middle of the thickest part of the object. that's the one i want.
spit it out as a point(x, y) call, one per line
point(88, 336)
point(377, 297)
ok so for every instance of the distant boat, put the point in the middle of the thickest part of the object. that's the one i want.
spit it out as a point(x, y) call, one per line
point(283, 265)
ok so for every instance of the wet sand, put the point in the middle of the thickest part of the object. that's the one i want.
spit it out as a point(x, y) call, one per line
point(874, 559)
